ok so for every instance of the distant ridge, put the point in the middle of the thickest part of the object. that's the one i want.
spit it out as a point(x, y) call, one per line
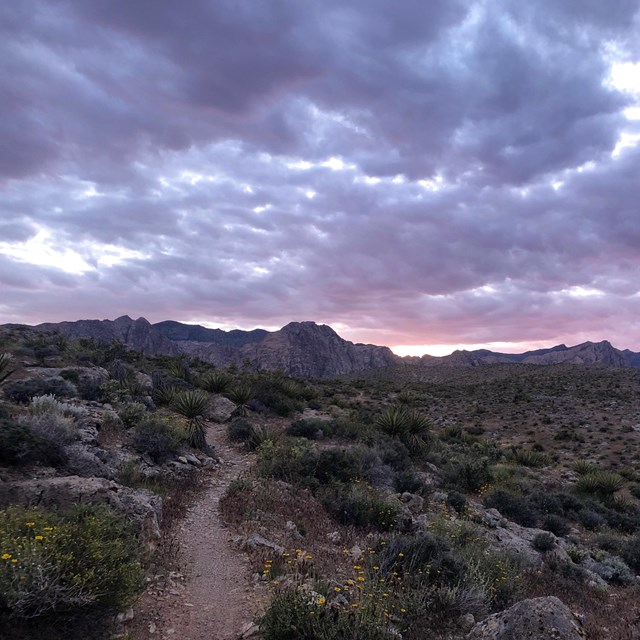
point(310, 350)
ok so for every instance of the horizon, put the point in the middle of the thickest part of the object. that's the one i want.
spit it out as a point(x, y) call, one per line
point(437, 176)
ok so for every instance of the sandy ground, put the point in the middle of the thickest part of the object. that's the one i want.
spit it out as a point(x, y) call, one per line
point(213, 599)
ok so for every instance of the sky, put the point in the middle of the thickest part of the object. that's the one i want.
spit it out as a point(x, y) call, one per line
point(424, 175)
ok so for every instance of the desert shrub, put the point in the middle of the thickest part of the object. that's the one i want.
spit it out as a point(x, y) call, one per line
point(407, 480)
point(21, 391)
point(556, 524)
point(286, 459)
point(274, 399)
point(132, 414)
point(543, 542)
point(66, 561)
point(310, 428)
point(298, 616)
point(20, 444)
point(457, 501)
point(511, 505)
point(359, 506)
point(341, 465)
point(421, 559)
point(631, 552)
point(158, 439)
point(392, 452)
point(239, 430)
point(47, 404)
point(468, 473)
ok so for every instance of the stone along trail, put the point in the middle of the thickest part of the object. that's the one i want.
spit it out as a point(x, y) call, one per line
point(216, 600)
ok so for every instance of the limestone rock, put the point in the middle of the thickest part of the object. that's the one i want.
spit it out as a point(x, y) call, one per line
point(535, 619)
point(220, 409)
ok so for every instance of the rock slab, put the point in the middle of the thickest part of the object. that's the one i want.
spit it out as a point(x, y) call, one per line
point(544, 618)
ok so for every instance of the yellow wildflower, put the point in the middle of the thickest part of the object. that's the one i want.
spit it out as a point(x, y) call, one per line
point(6, 556)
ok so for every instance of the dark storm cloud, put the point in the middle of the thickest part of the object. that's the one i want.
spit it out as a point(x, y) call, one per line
point(439, 172)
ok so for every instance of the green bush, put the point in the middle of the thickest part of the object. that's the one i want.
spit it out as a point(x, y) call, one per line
point(56, 562)
point(512, 506)
point(21, 391)
point(158, 439)
point(360, 506)
point(298, 616)
point(20, 444)
point(468, 473)
point(132, 414)
point(239, 430)
point(631, 553)
point(310, 428)
point(556, 524)
point(543, 542)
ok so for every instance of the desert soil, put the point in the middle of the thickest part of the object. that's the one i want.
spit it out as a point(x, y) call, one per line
point(211, 597)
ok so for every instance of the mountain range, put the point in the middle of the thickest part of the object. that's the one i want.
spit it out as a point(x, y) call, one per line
point(308, 349)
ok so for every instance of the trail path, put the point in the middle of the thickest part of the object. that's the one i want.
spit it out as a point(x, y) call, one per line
point(216, 599)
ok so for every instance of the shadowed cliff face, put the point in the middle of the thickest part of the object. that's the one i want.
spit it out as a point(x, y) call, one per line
point(299, 349)
point(307, 349)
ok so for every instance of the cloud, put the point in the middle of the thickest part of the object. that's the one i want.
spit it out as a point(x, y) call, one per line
point(449, 172)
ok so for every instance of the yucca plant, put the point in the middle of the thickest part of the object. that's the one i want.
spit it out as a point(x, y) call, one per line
point(604, 483)
point(179, 368)
point(240, 395)
point(215, 382)
point(583, 467)
point(417, 432)
point(393, 421)
point(530, 458)
point(408, 425)
point(193, 405)
point(164, 394)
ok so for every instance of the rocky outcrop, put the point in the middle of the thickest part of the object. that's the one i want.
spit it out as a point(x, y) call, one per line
point(310, 350)
point(298, 349)
point(137, 334)
point(143, 507)
point(535, 619)
point(587, 353)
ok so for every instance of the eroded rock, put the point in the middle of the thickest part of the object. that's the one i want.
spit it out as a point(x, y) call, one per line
point(544, 618)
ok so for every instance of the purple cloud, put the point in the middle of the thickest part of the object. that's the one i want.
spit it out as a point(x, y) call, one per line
point(440, 173)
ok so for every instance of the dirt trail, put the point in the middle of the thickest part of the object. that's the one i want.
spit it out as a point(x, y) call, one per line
point(216, 599)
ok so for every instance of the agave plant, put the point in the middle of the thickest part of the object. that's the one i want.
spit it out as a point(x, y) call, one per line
point(240, 395)
point(215, 382)
point(193, 405)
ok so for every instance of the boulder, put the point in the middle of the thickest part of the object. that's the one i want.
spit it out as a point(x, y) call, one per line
point(220, 409)
point(544, 618)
